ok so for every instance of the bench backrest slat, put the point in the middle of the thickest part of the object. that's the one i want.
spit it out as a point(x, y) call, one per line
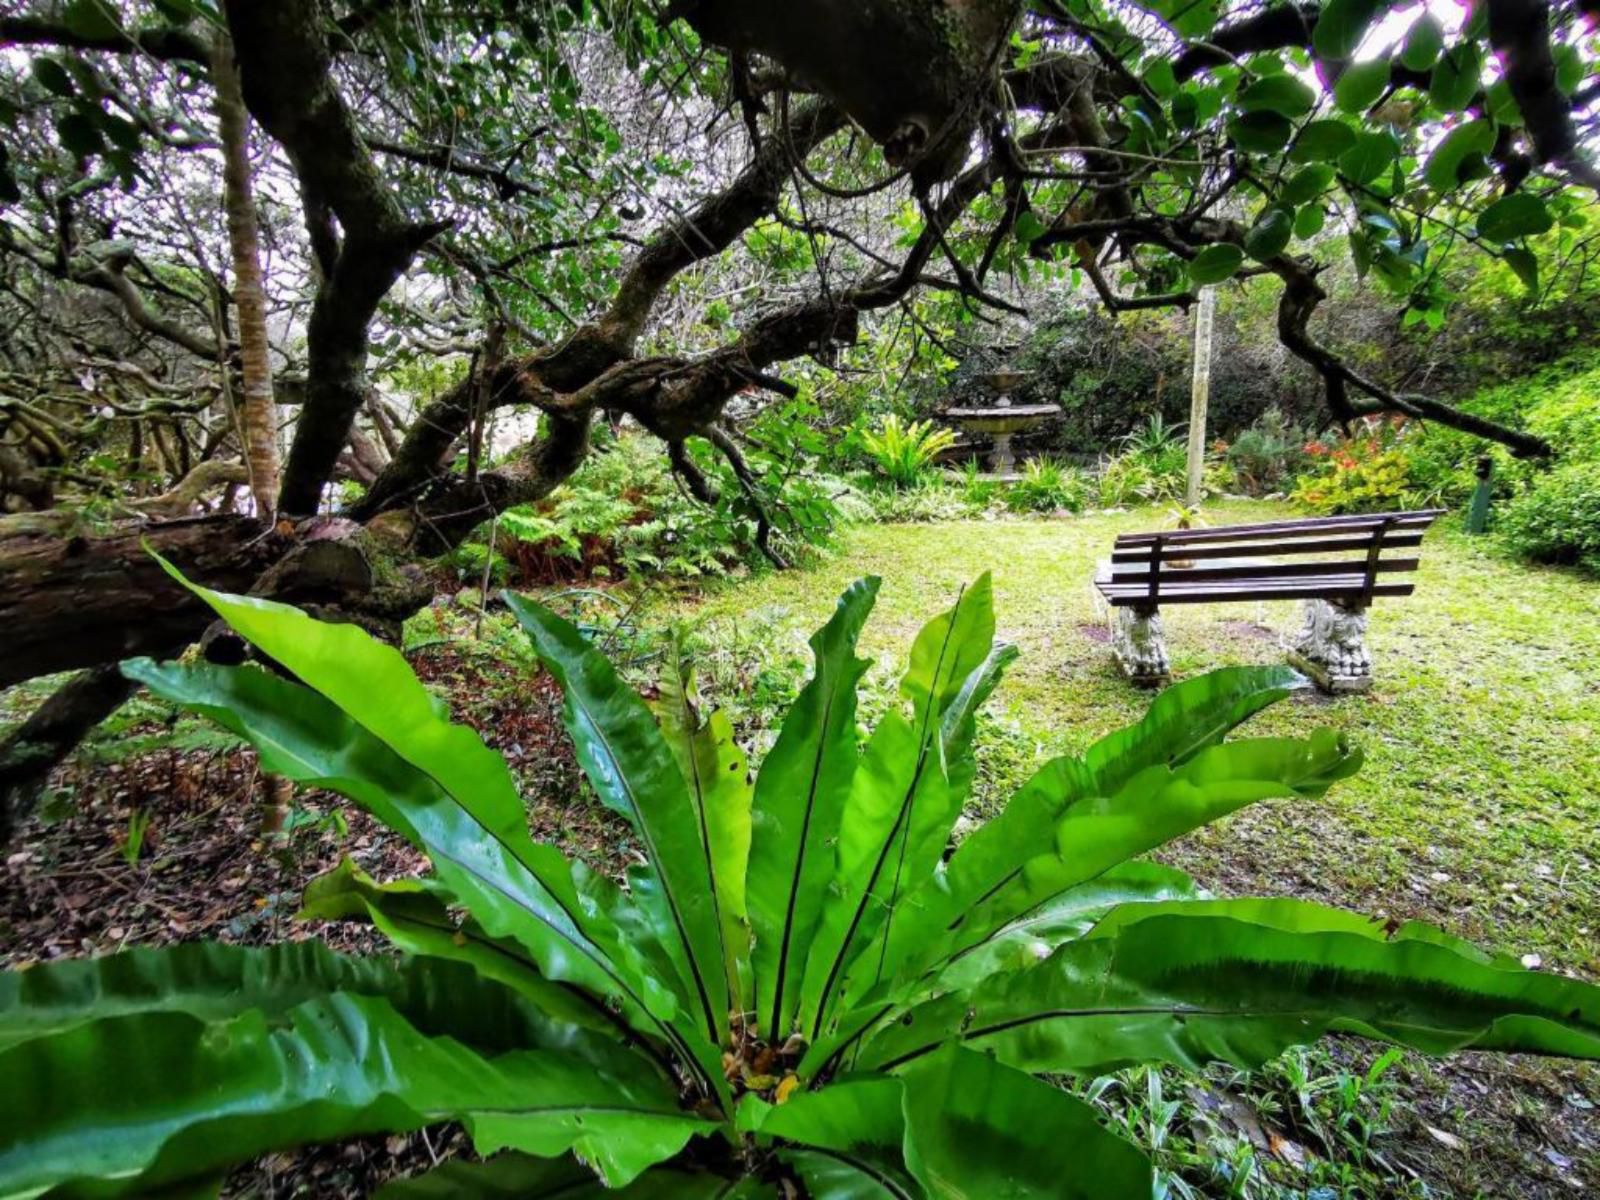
point(1314, 527)
point(1265, 547)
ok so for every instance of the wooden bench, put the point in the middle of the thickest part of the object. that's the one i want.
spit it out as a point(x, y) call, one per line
point(1336, 566)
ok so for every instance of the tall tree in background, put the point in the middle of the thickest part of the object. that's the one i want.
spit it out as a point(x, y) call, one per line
point(257, 414)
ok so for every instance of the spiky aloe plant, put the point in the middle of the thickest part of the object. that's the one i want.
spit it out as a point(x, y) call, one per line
point(798, 989)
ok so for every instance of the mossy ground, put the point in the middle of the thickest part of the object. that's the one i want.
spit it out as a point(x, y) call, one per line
point(1477, 807)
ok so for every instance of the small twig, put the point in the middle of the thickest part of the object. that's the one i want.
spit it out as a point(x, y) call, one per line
point(483, 587)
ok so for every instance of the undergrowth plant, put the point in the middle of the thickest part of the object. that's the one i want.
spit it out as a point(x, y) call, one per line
point(1048, 486)
point(904, 452)
point(1554, 514)
point(978, 491)
point(1151, 467)
point(1557, 520)
point(930, 499)
point(1268, 455)
point(625, 513)
point(797, 991)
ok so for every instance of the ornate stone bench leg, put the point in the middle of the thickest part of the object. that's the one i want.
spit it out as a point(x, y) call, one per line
point(1332, 646)
point(1141, 646)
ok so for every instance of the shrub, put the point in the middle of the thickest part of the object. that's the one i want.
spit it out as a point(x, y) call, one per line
point(1558, 519)
point(1569, 418)
point(1153, 465)
point(1267, 456)
point(1441, 465)
point(1393, 464)
point(796, 991)
point(625, 513)
point(1355, 475)
point(1048, 486)
point(1559, 402)
point(930, 499)
point(903, 452)
point(1564, 407)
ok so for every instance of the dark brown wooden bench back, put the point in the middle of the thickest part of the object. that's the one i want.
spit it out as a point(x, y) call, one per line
point(1332, 558)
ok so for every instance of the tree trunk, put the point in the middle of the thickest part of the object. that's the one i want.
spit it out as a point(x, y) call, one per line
point(35, 749)
point(70, 601)
point(277, 797)
point(359, 233)
point(920, 100)
point(258, 415)
point(79, 600)
point(1200, 396)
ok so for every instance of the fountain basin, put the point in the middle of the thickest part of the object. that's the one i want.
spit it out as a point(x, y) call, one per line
point(1003, 381)
point(1011, 419)
point(1001, 419)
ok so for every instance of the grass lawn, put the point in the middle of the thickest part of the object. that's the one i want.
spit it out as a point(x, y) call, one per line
point(1478, 804)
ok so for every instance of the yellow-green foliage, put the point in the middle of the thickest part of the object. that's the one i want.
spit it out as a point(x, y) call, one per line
point(1569, 417)
point(1555, 515)
point(1558, 519)
point(1355, 475)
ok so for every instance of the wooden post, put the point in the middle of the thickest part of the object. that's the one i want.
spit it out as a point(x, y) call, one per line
point(1200, 395)
point(1374, 555)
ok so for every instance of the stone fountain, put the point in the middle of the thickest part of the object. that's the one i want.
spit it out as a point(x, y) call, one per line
point(1002, 419)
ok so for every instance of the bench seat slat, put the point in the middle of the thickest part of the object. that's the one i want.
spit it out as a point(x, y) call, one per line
point(1343, 580)
point(1178, 577)
point(1336, 588)
point(1261, 548)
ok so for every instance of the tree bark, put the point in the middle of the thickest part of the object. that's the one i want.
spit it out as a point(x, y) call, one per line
point(285, 69)
point(915, 74)
point(84, 600)
point(258, 415)
point(277, 798)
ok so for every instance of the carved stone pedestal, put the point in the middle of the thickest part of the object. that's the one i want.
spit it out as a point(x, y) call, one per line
point(1141, 646)
point(1332, 646)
